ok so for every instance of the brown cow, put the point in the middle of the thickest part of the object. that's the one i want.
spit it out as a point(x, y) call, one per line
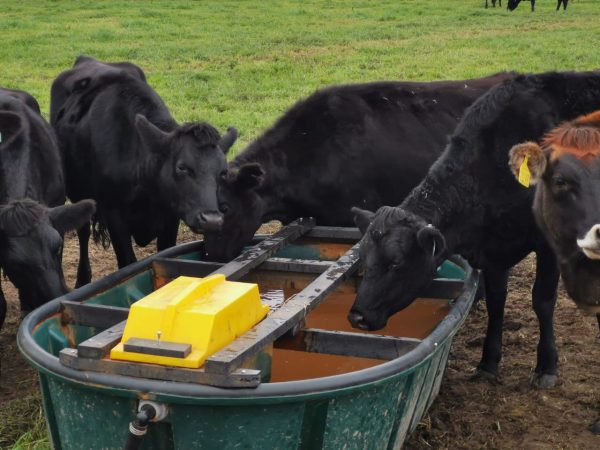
point(566, 171)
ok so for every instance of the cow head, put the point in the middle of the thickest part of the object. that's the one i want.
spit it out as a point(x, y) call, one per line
point(243, 210)
point(400, 252)
point(192, 161)
point(31, 246)
point(565, 169)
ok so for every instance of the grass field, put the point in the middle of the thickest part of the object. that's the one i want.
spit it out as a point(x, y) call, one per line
point(243, 63)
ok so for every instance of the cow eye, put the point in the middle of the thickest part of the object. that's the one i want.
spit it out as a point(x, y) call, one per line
point(561, 184)
point(181, 168)
point(223, 175)
point(224, 207)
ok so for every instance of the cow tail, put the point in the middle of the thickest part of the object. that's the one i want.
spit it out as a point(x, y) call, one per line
point(100, 232)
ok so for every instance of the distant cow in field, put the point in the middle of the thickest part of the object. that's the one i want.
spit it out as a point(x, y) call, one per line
point(366, 143)
point(123, 149)
point(512, 4)
point(469, 203)
point(33, 218)
point(493, 3)
point(565, 169)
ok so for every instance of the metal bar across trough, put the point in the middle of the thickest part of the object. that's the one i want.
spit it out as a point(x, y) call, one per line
point(240, 378)
point(285, 318)
point(254, 256)
point(92, 315)
point(343, 343)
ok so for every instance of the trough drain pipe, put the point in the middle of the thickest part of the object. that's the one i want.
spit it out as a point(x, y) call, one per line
point(147, 412)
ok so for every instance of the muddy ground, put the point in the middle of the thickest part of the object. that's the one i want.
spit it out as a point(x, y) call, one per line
point(468, 414)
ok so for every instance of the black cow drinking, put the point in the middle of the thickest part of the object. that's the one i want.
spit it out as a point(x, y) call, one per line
point(470, 203)
point(366, 143)
point(32, 220)
point(123, 149)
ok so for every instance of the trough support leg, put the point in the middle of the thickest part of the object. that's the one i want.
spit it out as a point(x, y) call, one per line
point(84, 269)
point(496, 282)
point(544, 301)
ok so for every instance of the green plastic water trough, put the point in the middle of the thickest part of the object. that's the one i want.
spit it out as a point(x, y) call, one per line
point(373, 408)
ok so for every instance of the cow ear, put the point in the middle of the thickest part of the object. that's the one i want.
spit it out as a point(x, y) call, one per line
point(228, 139)
point(11, 126)
point(249, 176)
point(432, 241)
point(362, 218)
point(82, 59)
point(152, 137)
point(72, 217)
point(536, 162)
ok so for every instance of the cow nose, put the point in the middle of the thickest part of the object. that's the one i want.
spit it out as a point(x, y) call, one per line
point(590, 244)
point(210, 221)
point(357, 320)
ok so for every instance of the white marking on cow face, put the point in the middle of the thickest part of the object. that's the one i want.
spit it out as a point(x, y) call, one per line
point(590, 244)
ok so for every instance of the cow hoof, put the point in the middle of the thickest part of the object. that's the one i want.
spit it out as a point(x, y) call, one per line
point(595, 428)
point(490, 377)
point(543, 380)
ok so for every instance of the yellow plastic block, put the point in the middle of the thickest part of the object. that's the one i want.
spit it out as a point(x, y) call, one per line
point(207, 313)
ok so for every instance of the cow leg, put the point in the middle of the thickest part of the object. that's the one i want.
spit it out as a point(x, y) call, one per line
point(598, 319)
point(544, 301)
point(120, 238)
point(84, 269)
point(496, 282)
point(532, 5)
point(168, 235)
point(3, 307)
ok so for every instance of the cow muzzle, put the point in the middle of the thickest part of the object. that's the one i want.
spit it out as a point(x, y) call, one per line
point(210, 221)
point(357, 320)
point(590, 244)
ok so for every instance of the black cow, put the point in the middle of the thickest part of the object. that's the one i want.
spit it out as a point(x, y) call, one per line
point(493, 3)
point(512, 4)
point(470, 203)
point(32, 220)
point(366, 143)
point(123, 149)
point(566, 171)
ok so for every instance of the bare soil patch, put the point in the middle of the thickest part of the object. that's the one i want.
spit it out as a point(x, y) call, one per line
point(468, 414)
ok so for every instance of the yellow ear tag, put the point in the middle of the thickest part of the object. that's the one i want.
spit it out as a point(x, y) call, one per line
point(524, 173)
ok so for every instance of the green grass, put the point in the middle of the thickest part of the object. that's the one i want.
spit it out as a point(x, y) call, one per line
point(245, 62)
point(22, 425)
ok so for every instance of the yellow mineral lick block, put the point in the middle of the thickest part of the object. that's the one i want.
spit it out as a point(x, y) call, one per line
point(206, 313)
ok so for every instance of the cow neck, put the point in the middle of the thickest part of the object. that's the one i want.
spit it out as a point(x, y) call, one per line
point(273, 190)
point(450, 202)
